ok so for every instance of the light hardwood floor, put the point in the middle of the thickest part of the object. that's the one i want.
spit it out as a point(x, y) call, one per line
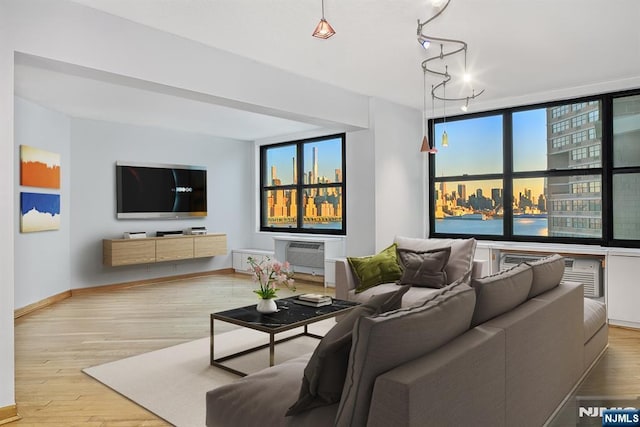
point(55, 343)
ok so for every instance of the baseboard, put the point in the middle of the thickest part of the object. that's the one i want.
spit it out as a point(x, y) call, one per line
point(629, 327)
point(124, 285)
point(9, 414)
point(115, 286)
point(41, 304)
point(314, 278)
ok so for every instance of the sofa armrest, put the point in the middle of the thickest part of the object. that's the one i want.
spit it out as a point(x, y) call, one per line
point(461, 383)
point(344, 279)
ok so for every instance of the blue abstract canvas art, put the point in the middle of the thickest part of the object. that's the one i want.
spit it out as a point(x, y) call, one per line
point(39, 212)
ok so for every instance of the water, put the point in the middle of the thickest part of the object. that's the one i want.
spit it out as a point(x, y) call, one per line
point(521, 226)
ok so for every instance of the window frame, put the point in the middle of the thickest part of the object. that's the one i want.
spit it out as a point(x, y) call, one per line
point(606, 171)
point(300, 187)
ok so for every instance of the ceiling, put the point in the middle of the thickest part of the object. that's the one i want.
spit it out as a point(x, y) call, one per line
point(516, 48)
point(80, 93)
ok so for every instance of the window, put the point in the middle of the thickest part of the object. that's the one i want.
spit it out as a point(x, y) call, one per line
point(560, 141)
point(302, 186)
point(578, 121)
point(626, 168)
point(579, 153)
point(560, 126)
point(579, 137)
point(530, 173)
point(465, 187)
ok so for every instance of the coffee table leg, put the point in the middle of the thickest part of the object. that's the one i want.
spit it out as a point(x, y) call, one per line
point(272, 346)
point(211, 345)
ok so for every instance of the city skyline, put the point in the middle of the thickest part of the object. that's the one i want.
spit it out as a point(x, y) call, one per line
point(535, 185)
point(320, 207)
point(328, 160)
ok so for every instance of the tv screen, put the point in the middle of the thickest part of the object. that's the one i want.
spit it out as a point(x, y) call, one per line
point(145, 190)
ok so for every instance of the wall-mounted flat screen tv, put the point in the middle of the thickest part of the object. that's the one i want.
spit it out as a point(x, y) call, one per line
point(149, 190)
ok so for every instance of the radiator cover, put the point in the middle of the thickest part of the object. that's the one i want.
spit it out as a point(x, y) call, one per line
point(305, 254)
point(587, 271)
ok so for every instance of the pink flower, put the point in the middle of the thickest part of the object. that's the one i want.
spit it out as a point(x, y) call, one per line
point(277, 267)
point(269, 275)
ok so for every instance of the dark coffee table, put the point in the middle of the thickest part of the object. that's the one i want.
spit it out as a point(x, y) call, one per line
point(290, 315)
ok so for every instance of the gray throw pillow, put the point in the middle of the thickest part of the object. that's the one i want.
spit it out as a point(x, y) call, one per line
point(425, 269)
point(547, 274)
point(382, 342)
point(501, 292)
point(460, 260)
point(324, 375)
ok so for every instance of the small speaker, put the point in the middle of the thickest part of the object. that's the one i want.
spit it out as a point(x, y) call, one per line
point(168, 233)
point(135, 235)
point(197, 230)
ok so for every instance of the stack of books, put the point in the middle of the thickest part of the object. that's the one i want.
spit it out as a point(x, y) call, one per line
point(314, 300)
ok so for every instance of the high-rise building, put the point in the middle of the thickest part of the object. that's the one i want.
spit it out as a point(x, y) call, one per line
point(574, 142)
point(462, 192)
point(273, 175)
point(496, 196)
point(315, 165)
point(295, 170)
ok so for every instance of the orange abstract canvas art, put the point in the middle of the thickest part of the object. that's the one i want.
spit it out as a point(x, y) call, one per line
point(39, 168)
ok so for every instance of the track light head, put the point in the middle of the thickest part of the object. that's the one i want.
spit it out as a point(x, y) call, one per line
point(424, 42)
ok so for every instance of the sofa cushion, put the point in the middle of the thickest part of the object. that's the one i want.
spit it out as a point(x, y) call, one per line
point(461, 257)
point(376, 269)
point(547, 274)
point(262, 398)
point(385, 341)
point(424, 269)
point(415, 295)
point(501, 292)
point(324, 375)
point(595, 316)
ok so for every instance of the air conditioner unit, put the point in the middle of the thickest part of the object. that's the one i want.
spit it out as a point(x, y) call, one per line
point(587, 271)
point(306, 254)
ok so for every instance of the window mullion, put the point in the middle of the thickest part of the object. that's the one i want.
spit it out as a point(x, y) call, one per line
point(507, 184)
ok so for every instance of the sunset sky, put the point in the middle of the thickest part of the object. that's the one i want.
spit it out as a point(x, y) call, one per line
point(475, 147)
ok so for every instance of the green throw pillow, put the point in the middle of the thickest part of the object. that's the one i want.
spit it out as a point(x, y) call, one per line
point(376, 269)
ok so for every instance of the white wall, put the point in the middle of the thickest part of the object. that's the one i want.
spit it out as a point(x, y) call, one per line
point(42, 258)
point(361, 193)
point(97, 145)
point(398, 172)
point(7, 212)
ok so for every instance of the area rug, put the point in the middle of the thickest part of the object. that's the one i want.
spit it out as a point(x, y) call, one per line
point(172, 382)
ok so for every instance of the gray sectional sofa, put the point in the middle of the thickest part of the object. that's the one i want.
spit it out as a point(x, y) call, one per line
point(500, 350)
